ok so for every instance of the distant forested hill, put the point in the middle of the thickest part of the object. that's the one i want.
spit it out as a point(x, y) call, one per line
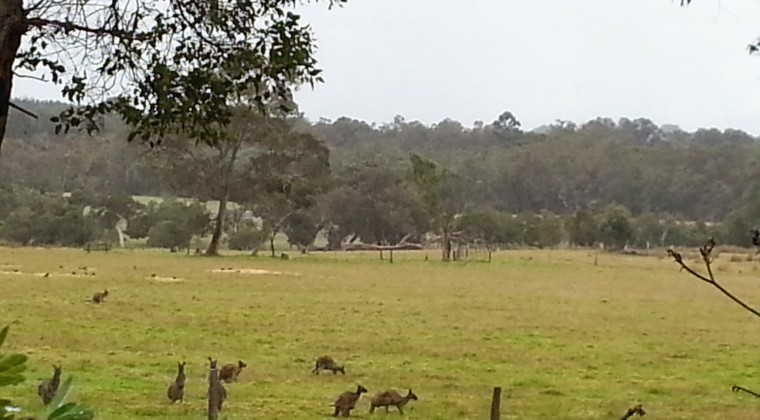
point(704, 175)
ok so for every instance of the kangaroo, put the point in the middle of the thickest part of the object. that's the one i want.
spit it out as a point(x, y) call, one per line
point(327, 363)
point(637, 409)
point(100, 297)
point(391, 398)
point(176, 390)
point(230, 372)
point(347, 401)
point(216, 392)
point(47, 389)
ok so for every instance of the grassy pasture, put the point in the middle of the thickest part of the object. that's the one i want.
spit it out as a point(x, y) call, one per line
point(567, 339)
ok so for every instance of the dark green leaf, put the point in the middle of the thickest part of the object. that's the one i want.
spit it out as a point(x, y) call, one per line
point(63, 392)
point(3, 334)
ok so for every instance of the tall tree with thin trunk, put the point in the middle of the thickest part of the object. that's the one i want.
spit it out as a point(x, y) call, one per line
point(441, 193)
point(222, 171)
point(292, 169)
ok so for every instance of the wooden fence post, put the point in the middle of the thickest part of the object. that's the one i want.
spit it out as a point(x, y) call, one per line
point(496, 404)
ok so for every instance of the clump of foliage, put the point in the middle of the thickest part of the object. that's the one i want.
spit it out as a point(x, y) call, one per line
point(171, 224)
point(247, 239)
point(163, 68)
point(32, 217)
point(301, 228)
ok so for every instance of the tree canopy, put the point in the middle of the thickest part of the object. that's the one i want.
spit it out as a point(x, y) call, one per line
point(163, 67)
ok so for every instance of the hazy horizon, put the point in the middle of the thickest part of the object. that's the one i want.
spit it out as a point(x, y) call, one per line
point(543, 60)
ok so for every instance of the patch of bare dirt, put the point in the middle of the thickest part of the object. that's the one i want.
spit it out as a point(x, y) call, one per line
point(252, 271)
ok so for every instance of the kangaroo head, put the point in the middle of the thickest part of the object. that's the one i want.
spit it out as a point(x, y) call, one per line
point(241, 364)
point(342, 369)
point(361, 389)
point(181, 367)
point(56, 371)
point(212, 363)
point(411, 395)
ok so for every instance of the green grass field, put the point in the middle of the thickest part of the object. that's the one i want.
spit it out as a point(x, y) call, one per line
point(565, 338)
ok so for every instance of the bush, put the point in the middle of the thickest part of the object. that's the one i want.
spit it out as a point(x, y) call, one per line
point(171, 224)
point(246, 239)
point(550, 231)
point(615, 228)
point(301, 228)
point(169, 234)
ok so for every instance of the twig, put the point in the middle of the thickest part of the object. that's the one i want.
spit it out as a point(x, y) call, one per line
point(29, 76)
point(737, 388)
point(637, 409)
point(706, 251)
point(18, 108)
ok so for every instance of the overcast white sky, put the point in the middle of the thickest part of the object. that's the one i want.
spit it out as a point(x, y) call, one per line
point(541, 59)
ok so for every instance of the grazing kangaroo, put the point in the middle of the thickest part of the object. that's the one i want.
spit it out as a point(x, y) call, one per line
point(737, 388)
point(230, 372)
point(216, 392)
point(391, 398)
point(176, 390)
point(347, 401)
point(327, 363)
point(100, 297)
point(637, 409)
point(47, 389)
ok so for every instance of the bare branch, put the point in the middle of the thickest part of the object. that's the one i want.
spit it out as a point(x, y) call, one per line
point(70, 26)
point(29, 76)
point(737, 388)
point(706, 251)
point(25, 111)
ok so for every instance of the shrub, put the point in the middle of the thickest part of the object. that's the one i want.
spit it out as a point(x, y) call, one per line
point(246, 239)
point(169, 234)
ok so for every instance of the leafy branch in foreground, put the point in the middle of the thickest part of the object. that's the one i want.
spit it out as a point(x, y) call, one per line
point(11, 368)
point(163, 67)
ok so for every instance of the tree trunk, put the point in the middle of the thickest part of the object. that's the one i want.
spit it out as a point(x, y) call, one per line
point(12, 28)
point(213, 246)
point(271, 242)
point(445, 245)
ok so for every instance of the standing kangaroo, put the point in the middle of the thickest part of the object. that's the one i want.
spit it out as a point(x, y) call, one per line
point(347, 401)
point(327, 363)
point(176, 390)
point(47, 389)
point(216, 392)
point(391, 398)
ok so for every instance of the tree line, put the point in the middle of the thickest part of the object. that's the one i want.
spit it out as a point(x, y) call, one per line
point(617, 183)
